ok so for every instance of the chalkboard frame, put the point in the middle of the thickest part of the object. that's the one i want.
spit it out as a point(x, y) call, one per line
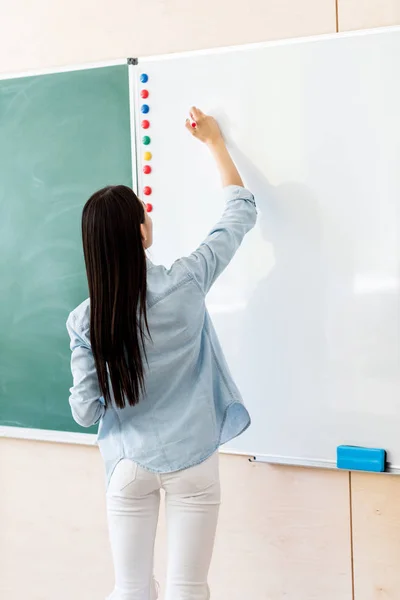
point(49, 435)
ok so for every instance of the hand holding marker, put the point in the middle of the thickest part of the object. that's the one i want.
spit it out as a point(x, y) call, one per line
point(206, 129)
point(203, 127)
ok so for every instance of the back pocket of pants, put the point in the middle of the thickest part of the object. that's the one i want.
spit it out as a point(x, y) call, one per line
point(123, 477)
point(201, 477)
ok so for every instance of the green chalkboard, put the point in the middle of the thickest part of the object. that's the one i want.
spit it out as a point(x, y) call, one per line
point(62, 136)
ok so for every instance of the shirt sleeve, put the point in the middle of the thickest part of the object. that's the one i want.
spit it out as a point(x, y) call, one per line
point(213, 256)
point(85, 395)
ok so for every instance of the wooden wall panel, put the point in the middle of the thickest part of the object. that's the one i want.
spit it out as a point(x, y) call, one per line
point(283, 533)
point(365, 14)
point(46, 33)
point(376, 536)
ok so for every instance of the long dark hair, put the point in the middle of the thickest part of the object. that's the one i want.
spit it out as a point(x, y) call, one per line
point(116, 271)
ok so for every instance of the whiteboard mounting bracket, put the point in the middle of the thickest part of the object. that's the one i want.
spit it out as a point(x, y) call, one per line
point(133, 61)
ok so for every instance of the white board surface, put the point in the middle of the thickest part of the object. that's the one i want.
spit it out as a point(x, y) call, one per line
point(308, 313)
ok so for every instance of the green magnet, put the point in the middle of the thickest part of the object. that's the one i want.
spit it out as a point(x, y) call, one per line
point(146, 140)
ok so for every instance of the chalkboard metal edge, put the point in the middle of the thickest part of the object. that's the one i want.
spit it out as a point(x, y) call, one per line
point(64, 69)
point(47, 435)
point(133, 106)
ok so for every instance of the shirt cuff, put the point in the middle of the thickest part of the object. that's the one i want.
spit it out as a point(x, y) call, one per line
point(236, 192)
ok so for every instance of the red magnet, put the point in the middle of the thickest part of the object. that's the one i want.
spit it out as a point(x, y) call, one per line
point(194, 124)
point(147, 169)
point(145, 124)
point(147, 190)
point(144, 93)
point(149, 208)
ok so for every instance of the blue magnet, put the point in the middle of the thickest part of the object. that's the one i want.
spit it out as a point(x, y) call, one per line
point(144, 78)
point(145, 109)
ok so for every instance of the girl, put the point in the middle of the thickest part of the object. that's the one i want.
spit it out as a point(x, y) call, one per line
point(147, 366)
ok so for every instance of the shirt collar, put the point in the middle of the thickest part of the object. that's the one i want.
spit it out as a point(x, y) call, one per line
point(149, 264)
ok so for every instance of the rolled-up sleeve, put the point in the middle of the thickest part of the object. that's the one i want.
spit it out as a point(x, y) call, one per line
point(85, 395)
point(211, 258)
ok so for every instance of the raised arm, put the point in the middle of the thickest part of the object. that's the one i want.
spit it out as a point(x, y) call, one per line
point(240, 215)
point(206, 129)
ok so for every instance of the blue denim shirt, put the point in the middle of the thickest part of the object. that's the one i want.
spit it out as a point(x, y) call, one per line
point(191, 405)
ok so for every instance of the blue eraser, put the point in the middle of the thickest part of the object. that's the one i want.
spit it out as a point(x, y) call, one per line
point(355, 458)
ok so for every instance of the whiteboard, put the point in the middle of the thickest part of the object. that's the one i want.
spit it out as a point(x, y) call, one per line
point(308, 313)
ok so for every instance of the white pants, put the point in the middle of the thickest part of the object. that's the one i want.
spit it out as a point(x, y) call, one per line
point(192, 501)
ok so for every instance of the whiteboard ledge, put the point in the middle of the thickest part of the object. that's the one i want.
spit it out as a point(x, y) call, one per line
point(271, 43)
point(295, 462)
point(47, 435)
point(312, 463)
point(65, 69)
